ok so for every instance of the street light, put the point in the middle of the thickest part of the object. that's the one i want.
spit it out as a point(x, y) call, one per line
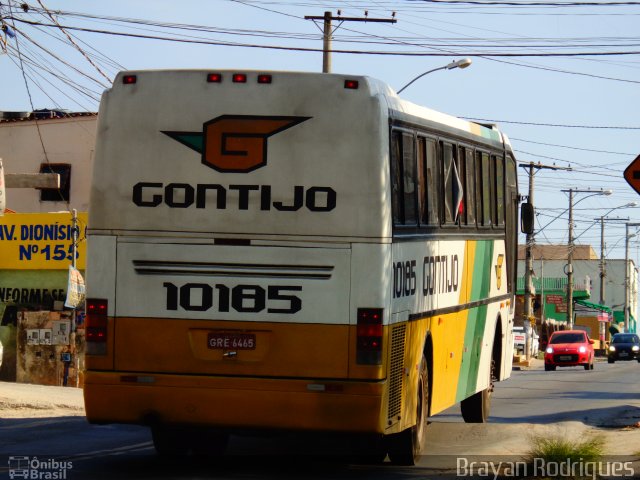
point(569, 266)
point(463, 63)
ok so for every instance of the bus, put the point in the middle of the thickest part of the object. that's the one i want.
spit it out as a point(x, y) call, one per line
point(299, 252)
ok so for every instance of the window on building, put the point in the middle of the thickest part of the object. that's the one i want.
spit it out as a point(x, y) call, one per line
point(57, 194)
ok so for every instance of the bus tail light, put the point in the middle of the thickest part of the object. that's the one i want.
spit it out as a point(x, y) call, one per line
point(351, 84)
point(264, 78)
point(214, 78)
point(369, 336)
point(96, 326)
point(239, 78)
point(129, 79)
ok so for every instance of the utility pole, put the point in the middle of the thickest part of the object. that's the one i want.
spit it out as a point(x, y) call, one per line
point(327, 33)
point(569, 266)
point(528, 287)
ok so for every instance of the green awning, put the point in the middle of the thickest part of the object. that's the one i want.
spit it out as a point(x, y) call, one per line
point(594, 306)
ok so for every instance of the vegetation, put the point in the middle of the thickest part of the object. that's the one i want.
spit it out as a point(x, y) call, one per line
point(557, 448)
point(572, 453)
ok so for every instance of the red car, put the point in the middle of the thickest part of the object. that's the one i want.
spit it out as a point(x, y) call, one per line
point(569, 348)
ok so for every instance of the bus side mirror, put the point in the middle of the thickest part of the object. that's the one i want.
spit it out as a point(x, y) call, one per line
point(527, 217)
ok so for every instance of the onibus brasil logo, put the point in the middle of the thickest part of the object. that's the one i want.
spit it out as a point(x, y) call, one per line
point(37, 469)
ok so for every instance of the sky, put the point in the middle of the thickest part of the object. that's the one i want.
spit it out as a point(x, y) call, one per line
point(530, 73)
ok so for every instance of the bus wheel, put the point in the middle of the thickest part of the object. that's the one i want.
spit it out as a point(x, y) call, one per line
point(169, 441)
point(405, 447)
point(477, 407)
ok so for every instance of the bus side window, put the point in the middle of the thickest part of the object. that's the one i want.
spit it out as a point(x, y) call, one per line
point(500, 190)
point(422, 182)
point(396, 178)
point(433, 182)
point(470, 180)
point(428, 178)
point(483, 176)
point(449, 179)
point(486, 190)
point(478, 182)
point(492, 177)
point(410, 183)
point(403, 178)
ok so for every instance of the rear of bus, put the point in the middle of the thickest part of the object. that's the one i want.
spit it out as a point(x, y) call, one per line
point(238, 233)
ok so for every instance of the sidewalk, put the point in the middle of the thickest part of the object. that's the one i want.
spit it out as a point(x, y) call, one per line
point(21, 400)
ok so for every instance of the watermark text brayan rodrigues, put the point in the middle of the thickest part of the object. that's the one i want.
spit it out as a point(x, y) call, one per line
point(543, 468)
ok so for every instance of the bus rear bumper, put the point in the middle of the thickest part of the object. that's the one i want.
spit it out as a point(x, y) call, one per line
point(235, 403)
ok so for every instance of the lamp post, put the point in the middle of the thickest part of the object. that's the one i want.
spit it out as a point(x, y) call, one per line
point(463, 63)
point(569, 266)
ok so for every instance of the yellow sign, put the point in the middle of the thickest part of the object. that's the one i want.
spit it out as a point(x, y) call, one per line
point(41, 241)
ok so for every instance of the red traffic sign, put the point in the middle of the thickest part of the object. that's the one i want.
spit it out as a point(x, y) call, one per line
point(632, 174)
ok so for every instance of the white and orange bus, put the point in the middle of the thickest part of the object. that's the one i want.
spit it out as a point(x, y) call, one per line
point(294, 251)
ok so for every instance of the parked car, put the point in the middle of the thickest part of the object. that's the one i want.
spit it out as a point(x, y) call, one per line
point(624, 346)
point(520, 340)
point(569, 348)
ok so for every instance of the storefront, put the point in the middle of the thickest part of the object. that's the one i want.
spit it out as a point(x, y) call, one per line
point(41, 336)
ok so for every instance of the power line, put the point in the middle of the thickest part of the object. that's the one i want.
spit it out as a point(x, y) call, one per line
point(572, 148)
point(605, 127)
point(531, 4)
point(74, 43)
point(344, 51)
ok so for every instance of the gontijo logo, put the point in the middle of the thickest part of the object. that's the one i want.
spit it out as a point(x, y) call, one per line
point(235, 143)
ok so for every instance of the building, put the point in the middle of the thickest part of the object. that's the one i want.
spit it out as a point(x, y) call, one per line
point(596, 310)
point(69, 142)
point(39, 334)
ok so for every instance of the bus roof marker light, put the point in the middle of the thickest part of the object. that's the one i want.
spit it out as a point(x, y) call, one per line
point(264, 78)
point(239, 78)
point(129, 79)
point(351, 84)
point(214, 78)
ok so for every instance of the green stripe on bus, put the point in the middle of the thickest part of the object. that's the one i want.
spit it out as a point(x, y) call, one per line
point(476, 320)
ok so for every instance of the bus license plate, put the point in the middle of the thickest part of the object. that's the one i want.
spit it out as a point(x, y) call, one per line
point(231, 341)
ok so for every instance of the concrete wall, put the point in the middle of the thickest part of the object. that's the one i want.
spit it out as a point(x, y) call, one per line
point(42, 360)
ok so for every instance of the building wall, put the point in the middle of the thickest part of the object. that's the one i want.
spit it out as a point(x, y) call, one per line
point(614, 281)
point(66, 140)
point(28, 288)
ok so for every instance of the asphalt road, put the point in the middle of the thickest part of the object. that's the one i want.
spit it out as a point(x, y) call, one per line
point(571, 402)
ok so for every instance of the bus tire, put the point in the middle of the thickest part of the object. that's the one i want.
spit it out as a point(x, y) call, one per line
point(405, 447)
point(169, 441)
point(477, 408)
